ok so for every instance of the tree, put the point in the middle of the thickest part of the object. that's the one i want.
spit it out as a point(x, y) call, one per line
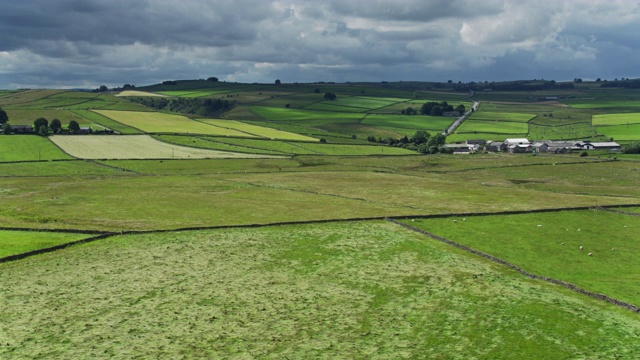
point(436, 111)
point(460, 108)
point(39, 122)
point(213, 78)
point(436, 141)
point(330, 96)
point(55, 126)
point(3, 116)
point(420, 137)
point(6, 128)
point(43, 130)
point(74, 127)
point(278, 82)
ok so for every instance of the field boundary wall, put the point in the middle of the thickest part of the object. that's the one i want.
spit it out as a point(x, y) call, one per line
point(518, 269)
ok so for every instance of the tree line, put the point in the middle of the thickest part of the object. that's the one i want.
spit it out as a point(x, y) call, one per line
point(41, 126)
point(201, 107)
point(421, 141)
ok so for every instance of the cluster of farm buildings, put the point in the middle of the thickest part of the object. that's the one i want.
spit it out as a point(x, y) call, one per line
point(523, 145)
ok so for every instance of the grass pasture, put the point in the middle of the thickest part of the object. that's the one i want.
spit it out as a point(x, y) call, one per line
point(132, 147)
point(412, 122)
point(259, 131)
point(492, 127)
point(615, 119)
point(127, 93)
point(156, 122)
point(28, 148)
point(106, 122)
point(357, 290)
point(620, 132)
point(27, 116)
point(548, 244)
point(281, 114)
point(19, 242)
point(501, 116)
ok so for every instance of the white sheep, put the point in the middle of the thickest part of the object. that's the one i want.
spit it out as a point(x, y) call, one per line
point(581, 247)
point(590, 254)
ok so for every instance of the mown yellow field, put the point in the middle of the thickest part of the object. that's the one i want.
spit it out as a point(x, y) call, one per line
point(135, 147)
point(155, 122)
point(138, 93)
point(253, 130)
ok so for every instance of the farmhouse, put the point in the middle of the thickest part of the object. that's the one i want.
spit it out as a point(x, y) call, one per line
point(519, 148)
point(21, 129)
point(541, 147)
point(85, 130)
point(494, 146)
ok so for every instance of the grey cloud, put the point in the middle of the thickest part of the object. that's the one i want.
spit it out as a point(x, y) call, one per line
point(72, 42)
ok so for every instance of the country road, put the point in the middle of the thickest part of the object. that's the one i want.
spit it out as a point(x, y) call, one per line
point(462, 118)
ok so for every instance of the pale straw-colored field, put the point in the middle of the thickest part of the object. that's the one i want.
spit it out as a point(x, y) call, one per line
point(135, 147)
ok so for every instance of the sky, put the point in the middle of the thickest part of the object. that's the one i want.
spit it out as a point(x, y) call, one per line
point(88, 43)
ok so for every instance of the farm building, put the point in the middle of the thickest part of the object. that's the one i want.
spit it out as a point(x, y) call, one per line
point(519, 148)
point(541, 147)
point(462, 148)
point(85, 130)
point(517, 141)
point(494, 146)
point(22, 129)
point(610, 145)
point(477, 142)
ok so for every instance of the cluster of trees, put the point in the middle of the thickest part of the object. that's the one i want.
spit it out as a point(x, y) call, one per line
point(3, 117)
point(42, 127)
point(421, 141)
point(330, 96)
point(195, 106)
point(632, 149)
point(434, 108)
point(627, 84)
point(514, 86)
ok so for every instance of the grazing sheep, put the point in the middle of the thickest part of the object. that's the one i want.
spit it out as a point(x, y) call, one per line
point(581, 247)
point(590, 254)
point(562, 244)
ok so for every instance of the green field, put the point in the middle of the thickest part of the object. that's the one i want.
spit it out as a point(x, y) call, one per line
point(277, 114)
point(260, 131)
point(356, 290)
point(549, 244)
point(501, 116)
point(337, 281)
point(616, 119)
point(168, 123)
point(492, 127)
point(413, 122)
point(19, 242)
point(28, 148)
point(620, 132)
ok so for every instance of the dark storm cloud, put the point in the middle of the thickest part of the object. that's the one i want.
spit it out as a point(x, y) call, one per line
point(69, 43)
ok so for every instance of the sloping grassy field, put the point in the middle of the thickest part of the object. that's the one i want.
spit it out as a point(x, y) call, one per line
point(133, 147)
point(338, 290)
point(160, 122)
point(549, 244)
point(29, 148)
